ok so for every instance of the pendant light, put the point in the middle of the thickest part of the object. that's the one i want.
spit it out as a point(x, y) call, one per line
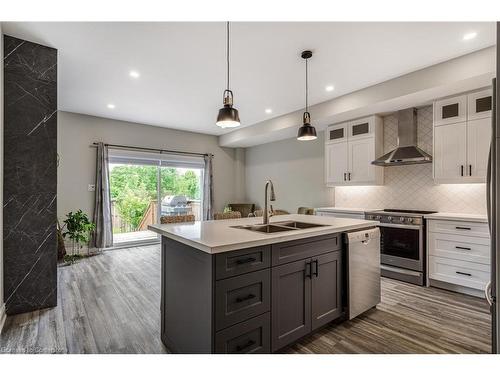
point(307, 132)
point(228, 116)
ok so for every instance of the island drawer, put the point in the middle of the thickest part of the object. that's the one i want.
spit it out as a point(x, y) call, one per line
point(291, 251)
point(242, 297)
point(251, 336)
point(233, 263)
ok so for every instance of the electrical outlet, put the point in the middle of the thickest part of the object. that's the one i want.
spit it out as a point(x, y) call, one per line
point(91, 187)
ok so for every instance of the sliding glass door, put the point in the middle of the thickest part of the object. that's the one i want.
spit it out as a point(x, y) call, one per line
point(134, 201)
point(180, 191)
point(145, 186)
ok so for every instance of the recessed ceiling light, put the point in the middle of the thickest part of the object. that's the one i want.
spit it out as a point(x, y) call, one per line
point(134, 74)
point(470, 36)
point(329, 88)
point(111, 106)
point(268, 110)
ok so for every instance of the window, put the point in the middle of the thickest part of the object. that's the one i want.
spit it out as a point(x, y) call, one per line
point(146, 186)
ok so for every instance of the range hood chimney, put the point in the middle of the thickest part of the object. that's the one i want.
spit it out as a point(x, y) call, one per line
point(407, 151)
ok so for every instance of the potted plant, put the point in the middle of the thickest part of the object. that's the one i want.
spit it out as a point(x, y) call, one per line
point(78, 228)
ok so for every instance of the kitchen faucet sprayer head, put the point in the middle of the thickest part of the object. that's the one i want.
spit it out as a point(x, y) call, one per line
point(273, 196)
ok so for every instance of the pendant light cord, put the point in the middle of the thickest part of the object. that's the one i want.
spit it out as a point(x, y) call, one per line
point(307, 89)
point(227, 54)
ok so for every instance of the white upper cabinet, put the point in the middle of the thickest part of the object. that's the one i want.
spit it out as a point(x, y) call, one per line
point(478, 147)
point(362, 127)
point(479, 104)
point(450, 152)
point(450, 110)
point(349, 150)
point(336, 163)
point(461, 148)
point(361, 154)
point(337, 133)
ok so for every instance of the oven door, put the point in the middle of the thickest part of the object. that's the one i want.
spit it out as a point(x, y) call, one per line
point(402, 246)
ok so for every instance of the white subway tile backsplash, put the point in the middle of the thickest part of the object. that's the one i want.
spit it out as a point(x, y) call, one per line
point(412, 186)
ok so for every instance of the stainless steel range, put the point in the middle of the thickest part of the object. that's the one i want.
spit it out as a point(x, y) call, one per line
point(402, 243)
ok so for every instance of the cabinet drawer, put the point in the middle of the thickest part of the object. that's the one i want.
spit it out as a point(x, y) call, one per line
point(300, 249)
point(242, 297)
point(471, 249)
point(235, 263)
point(469, 274)
point(251, 336)
point(462, 228)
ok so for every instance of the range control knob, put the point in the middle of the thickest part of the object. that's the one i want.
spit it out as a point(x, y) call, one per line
point(409, 220)
point(402, 219)
point(389, 218)
point(378, 217)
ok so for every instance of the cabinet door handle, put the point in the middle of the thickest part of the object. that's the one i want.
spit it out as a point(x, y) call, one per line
point(345, 176)
point(246, 298)
point(349, 175)
point(316, 268)
point(463, 273)
point(463, 228)
point(462, 170)
point(470, 170)
point(246, 260)
point(462, 248)
point(239, 348)
point(308, 270)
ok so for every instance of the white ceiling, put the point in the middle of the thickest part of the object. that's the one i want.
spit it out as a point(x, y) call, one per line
point(182, 65)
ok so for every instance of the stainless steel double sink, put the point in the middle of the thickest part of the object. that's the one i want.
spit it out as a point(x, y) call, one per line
point(280, 226)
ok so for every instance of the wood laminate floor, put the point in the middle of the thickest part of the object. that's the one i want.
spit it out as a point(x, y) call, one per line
point(110, 304)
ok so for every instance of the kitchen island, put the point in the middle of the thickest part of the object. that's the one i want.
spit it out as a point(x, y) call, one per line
point(232, 286)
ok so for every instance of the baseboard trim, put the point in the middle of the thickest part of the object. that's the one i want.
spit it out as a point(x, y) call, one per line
point(3, 316)
point(457, 288)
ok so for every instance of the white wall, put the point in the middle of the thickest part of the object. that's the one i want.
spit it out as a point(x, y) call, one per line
point(77, 132)
point(296, 169)
point(1, 180)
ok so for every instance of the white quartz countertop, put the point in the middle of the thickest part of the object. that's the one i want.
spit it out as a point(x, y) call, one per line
point(456, 216)
point(346, 209)
point(217, 236)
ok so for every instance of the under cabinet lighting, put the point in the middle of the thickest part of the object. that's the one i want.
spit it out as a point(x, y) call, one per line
point(329, 88)
point(268, 111)
point(111, 106)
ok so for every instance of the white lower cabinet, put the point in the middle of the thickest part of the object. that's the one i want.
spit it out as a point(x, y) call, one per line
point(458, 255)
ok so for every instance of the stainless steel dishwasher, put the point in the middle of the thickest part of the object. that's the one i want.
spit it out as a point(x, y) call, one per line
point(363, 271)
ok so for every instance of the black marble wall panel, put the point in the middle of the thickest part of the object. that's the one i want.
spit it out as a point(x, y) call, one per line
point(30, 175)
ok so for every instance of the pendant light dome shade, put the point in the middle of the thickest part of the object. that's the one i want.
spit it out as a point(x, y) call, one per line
point(228, 116)
point(306, 132)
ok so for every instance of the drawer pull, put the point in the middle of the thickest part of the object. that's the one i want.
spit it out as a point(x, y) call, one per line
point(462, 228)
point(463, 273)
point(243, 299)
point(246, 260)
point(462, 248)
point(239, 348)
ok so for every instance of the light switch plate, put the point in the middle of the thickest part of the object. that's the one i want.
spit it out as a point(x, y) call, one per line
point(91, 187)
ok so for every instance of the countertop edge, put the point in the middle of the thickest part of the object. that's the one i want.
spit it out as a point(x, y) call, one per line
point(262, 241)
point(457, 217)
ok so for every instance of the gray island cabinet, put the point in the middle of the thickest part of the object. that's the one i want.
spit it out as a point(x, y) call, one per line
point(228, 290)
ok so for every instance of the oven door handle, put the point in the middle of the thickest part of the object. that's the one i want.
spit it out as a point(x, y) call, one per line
point(403, 226)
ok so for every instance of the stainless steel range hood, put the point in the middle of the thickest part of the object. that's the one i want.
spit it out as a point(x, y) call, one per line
point(407, 151)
